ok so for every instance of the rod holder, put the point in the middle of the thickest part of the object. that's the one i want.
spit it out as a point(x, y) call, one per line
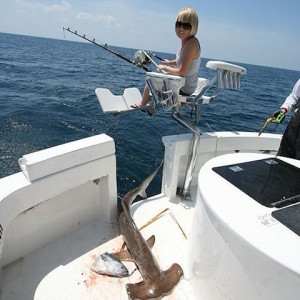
point(228, 80)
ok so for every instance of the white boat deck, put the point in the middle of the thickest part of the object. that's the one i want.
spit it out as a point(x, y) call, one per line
point(61, 269)
point(60, 211)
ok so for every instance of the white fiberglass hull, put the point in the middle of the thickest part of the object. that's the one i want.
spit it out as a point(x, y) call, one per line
point(54, 225)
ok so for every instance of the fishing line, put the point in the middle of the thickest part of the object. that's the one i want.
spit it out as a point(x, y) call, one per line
point(207, 124)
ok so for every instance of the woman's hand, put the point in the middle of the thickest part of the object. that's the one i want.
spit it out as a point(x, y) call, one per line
point(160, 67)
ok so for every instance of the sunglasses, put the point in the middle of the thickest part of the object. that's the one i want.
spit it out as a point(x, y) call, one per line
point(185, 26)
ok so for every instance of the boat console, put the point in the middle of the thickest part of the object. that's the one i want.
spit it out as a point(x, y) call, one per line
point(241, 232)
point(261, 180)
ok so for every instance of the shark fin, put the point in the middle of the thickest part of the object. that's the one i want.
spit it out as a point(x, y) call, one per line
point(143, 194)
point(126, 256)
point(122, 255)
point(151, 241)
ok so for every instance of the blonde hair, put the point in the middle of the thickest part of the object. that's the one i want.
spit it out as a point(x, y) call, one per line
point(189, 15)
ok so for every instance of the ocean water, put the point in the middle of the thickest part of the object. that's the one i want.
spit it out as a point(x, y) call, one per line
point(47, 98)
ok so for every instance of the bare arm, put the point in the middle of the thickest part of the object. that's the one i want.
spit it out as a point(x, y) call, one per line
point(190, 51)
point(292, 100)
point(171, 63)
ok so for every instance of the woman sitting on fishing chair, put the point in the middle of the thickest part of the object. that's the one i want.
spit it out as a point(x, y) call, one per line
point(187, 62)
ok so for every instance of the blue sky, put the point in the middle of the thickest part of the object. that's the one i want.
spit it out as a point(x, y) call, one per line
point(262, 32)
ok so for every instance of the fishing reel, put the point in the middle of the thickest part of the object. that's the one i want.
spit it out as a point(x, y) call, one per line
point(278, 117)
point(142, 58)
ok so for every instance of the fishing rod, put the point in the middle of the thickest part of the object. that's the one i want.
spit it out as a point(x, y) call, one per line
point(277, 119)
point(140, 59)
point(148, 55)
point(161, 59)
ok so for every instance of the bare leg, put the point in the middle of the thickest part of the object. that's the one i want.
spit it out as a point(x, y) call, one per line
point(145, 100)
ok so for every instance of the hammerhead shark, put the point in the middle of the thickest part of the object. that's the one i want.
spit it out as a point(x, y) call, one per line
point(156, 282)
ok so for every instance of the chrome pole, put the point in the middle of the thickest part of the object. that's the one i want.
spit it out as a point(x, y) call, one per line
point(184, 192)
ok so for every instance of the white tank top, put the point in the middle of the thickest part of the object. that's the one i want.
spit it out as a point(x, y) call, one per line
point(191, 78)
